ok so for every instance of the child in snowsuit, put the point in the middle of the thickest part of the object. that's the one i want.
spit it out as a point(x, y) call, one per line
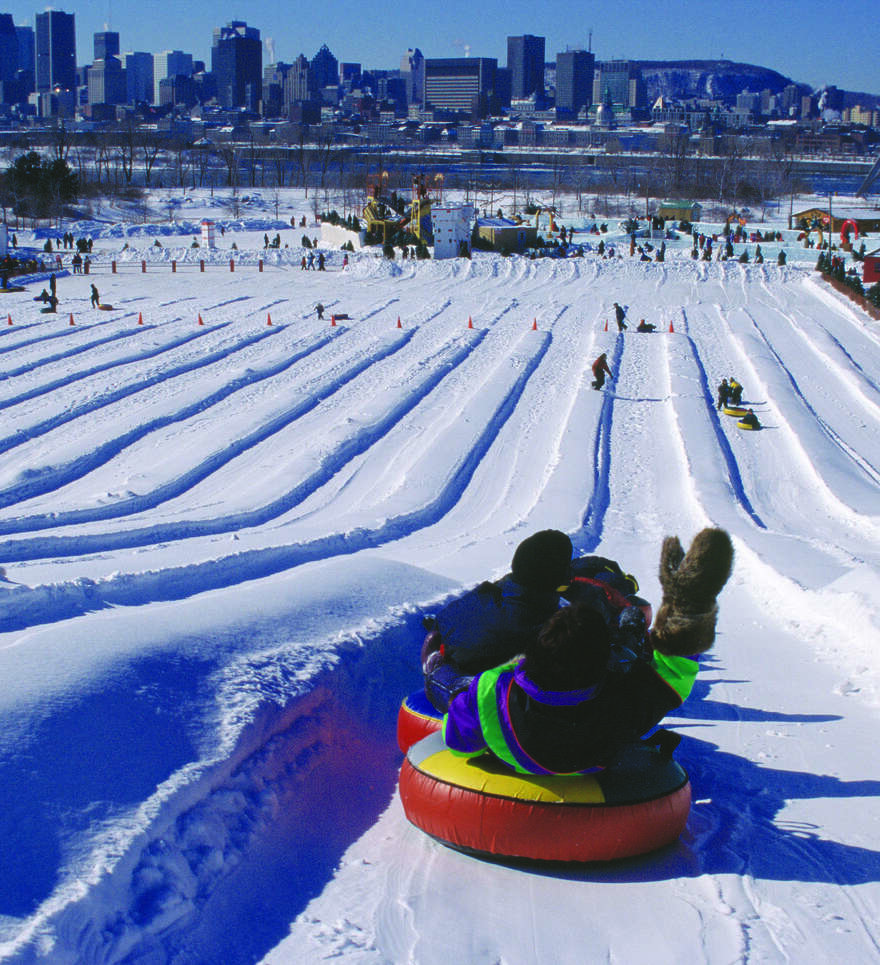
point(568, 707)
point(493, 622)
point(736, 392)
point(600, 369)
point(723, 394)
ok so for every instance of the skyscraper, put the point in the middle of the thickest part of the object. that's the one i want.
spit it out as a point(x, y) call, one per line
point(55, 50)
point(169, 63)
point(138, 77)
point(8, 48)
point(237, 65)
point(106, 44)
point(525, 60)
point(460, 84)
point(574, 80)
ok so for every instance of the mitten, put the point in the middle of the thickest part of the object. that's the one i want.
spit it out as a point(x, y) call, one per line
point(685, 623)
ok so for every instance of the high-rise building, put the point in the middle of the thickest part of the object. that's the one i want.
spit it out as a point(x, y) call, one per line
point(26, 48)
point(462, 84)
point(106, 44)
point(8, 48)
point(324, 69)
point(619, 82)
point(237, 65)
point(525, 60)
point(298, 86)
point(55, 35)
point(412, 70)
point(574, 80)
point(138, 77)
point(169, 63)
point(106, 82)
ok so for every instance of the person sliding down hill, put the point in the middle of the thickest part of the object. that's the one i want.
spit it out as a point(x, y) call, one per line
point(600, 369)
point(493, 622)
point(644, 326)
point(567, 707)
point(496, 621)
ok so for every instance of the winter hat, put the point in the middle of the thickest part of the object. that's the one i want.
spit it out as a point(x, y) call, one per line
point(542, 561)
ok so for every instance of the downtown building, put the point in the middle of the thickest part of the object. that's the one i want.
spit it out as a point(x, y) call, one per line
point(237, 66)
point(574, 81)
point(55, 46)
point(460, 84)
point(525, 61)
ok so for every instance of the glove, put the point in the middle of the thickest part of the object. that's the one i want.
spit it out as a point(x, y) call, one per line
point(685, 624)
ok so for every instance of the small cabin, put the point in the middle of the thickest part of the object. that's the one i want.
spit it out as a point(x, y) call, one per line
point(871, 268)
point(680, 211)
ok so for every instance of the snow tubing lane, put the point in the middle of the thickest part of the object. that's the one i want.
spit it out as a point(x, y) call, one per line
point(482, 807)
point(416, 718)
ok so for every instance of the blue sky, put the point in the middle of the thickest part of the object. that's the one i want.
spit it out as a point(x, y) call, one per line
point(812, 42)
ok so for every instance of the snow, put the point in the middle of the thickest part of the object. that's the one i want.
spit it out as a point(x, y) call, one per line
point(218, 541)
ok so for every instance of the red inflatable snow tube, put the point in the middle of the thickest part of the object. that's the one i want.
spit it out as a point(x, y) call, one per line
point(416, 718)
point(479, 806)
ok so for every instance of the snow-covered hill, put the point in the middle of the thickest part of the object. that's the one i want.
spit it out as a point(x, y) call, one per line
point(217, 540)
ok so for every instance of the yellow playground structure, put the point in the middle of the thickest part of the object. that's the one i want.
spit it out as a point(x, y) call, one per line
point(387, 214)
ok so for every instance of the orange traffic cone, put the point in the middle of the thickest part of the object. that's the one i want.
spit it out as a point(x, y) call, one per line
point(398, 322)
point(140, 318)
point(671, 328)
point(72, 322)
point(268, 319)
point(333, 321)
point(606, 325)
point(9, 319)
point(470, 322)
point(200, 319)
point(535, 325)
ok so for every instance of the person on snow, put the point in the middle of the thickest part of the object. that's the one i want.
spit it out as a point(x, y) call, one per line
point(319, 308)
point(723, 394)
point(96, 298)
point(568, 706)
point(619, 314)
point(320, 261)
point(493, 622)
point(736, 391)
point(600, 370)
point(644, 326)
point(751, 420)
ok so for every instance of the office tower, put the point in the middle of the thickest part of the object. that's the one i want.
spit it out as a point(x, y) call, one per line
point(324, 69)
point(574, 80)
point(169, 63)
point(525, 60)
point(412, 70)
point(55, 35)
point(460, 83)
point(623, 80)
point(237, 65)
point(138, 67)
point(106, 44)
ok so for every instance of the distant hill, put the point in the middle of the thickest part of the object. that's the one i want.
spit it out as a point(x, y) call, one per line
point(713, 79)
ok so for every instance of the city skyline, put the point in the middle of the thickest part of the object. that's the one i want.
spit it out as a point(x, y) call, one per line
point(783, 36)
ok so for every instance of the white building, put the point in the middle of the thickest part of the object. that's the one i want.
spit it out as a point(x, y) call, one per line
point(452, 224)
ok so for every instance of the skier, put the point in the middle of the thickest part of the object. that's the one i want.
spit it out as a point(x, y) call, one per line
point(619, 314)
point(600, 369)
